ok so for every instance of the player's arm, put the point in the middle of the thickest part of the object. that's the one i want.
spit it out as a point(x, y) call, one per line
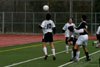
point(98, 30)
point(54, 30)
point(63, 31)
point(82, 25)
point(78, 30)
point(53, 27)
point(42, 25)
point(64, 28)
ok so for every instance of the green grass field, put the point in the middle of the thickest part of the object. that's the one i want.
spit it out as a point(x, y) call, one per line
point(31, 55)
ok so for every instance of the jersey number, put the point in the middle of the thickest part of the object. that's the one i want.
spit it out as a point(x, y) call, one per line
point(49, 26)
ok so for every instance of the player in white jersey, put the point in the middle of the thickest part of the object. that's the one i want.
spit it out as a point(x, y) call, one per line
point(48, 28)
point(98, 38)
point(67, 34)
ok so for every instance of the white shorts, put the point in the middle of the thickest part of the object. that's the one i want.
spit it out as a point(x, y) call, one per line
point(82, 40)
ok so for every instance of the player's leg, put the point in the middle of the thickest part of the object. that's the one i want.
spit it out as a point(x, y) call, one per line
point(53, 50)
point(76, 51)
point(44, 46)
point(84, 47)
point(73, 44)
point(50, 39)
point(67, 45)
point(98, 38)
point(45, 50)
point(86, 53)
point(72, 51)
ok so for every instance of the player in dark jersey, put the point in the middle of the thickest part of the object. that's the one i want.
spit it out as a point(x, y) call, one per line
point(82, 40)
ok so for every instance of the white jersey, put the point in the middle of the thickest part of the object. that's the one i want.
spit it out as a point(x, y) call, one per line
point(76, 32)
point(79, 31)
point(47, 26)
point(67, 34)
point(98, 30)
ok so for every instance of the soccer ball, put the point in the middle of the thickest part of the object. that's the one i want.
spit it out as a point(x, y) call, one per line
point(45, 7)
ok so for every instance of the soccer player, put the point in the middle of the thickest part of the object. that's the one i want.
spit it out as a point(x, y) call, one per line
point(75, 32)
point(48, 28)
point(82, 40)
point(65, 29)
point(98, 38)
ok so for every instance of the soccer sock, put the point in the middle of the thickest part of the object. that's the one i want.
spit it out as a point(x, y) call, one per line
point(45, 50)
point(87, 55)
point(67, 47)
point(97, 45)
point(74, 52)
point(77, 55)
point(53, 52)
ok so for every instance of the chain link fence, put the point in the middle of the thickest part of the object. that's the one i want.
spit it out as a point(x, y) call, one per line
point(20, 22)
point(22, 16)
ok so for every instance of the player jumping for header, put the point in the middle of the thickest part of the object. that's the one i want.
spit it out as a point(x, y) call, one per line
point(48, 28)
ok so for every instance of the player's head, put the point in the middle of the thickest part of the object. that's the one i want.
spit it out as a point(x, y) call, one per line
point(70, 20)
point(48, 16)
point(71, 28)
point(83, 18)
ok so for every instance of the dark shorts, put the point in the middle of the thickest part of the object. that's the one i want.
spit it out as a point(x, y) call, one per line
point(74, 41)
point(48, 37)
point(98, 37)
point(71, 39)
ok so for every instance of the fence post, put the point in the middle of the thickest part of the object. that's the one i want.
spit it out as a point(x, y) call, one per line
point(12, 22)
point(25, 17)
point(3, 22)
point(33, 23)
point(55, 18)
point(25, 23)
point(91, 23)
point(95, 21)
point(76, 18)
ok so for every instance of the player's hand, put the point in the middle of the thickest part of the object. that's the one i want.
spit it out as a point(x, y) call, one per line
point(39, 26)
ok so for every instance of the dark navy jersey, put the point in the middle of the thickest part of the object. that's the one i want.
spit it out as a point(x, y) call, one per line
point(81, 26)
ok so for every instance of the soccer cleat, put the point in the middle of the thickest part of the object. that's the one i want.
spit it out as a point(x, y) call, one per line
point(46, 56)
point(72, 59)
point(54, 57)
point(76, 60)
point(96, 47)
point(88, 59)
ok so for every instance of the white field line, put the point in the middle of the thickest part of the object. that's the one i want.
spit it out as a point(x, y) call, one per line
point(14, 64)
point(79, 59)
